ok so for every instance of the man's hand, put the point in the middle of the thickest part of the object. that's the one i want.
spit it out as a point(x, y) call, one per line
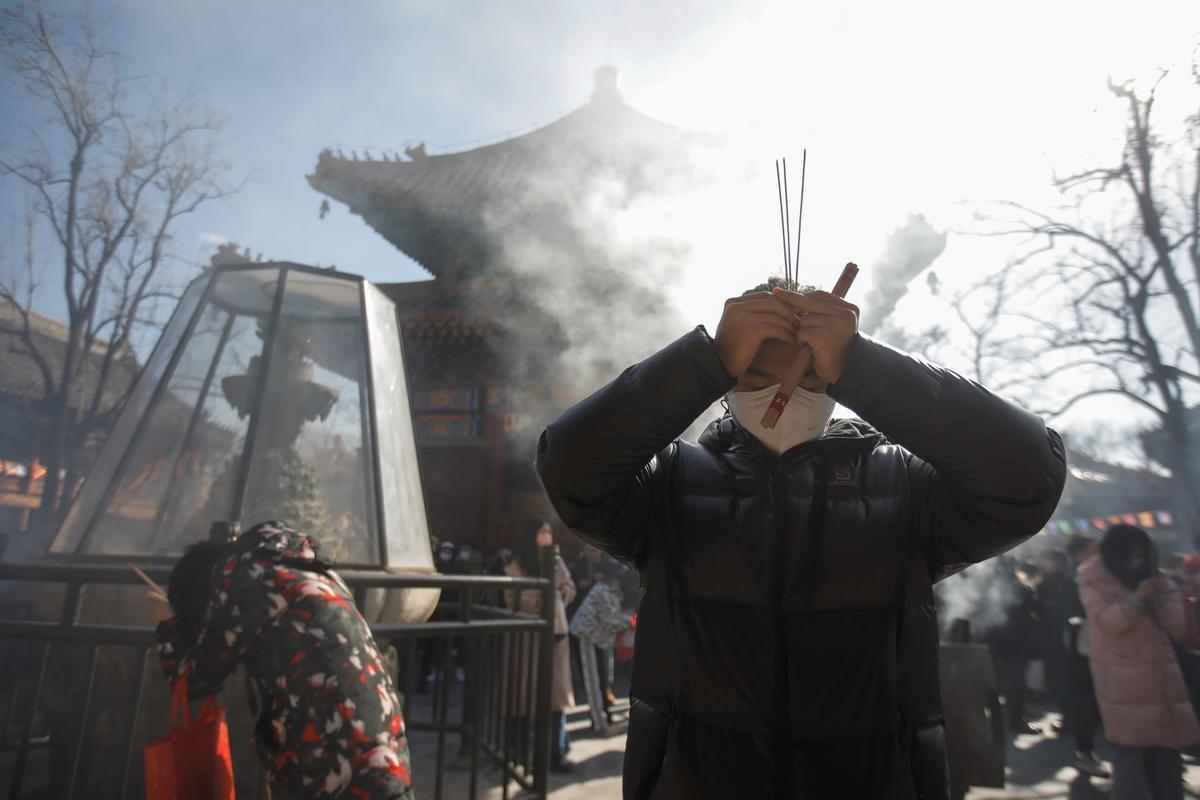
point(828, 325)
point(746, 323)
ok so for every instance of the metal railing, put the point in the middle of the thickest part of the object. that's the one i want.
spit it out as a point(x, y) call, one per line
point(78, 693)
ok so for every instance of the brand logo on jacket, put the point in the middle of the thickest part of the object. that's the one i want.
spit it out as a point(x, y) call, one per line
point(842, 480)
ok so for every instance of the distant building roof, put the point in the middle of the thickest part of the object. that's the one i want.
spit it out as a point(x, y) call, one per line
point(449, 212)
point(21, 377)
point(1097, 488)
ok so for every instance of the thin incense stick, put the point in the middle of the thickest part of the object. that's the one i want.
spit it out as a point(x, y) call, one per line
point(782, 227)
point(803, 359)
point(800, 217)
point(787, 212)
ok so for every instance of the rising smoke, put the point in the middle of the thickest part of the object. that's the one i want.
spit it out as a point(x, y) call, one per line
point(595, 232)
point(612, 217)
point(908, 251)
point(606, 232)
point(979, 594)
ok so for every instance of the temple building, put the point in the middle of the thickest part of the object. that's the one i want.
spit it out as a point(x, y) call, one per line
point(507, 231)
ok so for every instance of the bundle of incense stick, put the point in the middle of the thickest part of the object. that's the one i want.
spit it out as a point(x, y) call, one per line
point(785, 220)
point(156, 593)
point(804, 358)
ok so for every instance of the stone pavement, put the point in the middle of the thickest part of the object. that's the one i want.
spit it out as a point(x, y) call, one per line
point(597, 772)
point(1038, 768)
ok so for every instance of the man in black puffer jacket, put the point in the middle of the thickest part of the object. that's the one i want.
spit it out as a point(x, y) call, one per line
point(787, 645)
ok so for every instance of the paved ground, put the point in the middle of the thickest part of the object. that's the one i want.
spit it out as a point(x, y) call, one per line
point(597, 773)
point(1038, 767)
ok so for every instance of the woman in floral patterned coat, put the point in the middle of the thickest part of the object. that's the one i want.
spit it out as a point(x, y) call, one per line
point(331, 725)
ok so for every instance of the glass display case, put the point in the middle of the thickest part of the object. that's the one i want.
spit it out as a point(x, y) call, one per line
point(277, 391)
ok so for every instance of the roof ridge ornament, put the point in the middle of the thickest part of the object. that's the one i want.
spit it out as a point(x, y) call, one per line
point(605, 87)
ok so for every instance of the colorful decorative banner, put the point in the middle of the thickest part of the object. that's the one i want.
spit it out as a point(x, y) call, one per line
point(1143, 519)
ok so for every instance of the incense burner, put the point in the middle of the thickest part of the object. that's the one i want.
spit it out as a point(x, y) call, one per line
point(277, 391)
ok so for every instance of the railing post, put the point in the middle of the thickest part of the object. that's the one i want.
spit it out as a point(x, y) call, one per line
point(68, 617)
point(18, 775)
point(468, 650)
point(93, 653)
point(545, 673)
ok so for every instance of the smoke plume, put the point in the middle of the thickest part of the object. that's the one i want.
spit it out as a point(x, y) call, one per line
point(601, 232)
point(909, 250)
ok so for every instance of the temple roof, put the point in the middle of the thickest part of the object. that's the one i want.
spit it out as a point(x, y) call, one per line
point(451, 212)
point(456, 308)
point(22, 378)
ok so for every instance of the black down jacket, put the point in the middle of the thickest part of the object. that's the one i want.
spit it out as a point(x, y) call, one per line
point(787, 642)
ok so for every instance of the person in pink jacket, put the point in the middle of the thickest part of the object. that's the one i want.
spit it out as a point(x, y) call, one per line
point(1132, 609)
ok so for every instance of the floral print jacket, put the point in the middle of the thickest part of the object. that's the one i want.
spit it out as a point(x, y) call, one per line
point(331, 725)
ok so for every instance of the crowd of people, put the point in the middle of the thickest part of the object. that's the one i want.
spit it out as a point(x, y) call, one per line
point(595, 605)
point(1118, 643)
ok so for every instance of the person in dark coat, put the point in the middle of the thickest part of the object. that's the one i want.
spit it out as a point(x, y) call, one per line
point(1014, 643)
point(428, 647)
point(331, 724)
point(1068, 677)
point(787, 644)
point(1057, 601)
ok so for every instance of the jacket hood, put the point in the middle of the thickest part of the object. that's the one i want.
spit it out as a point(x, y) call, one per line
point(275, 541)
point(842, 434)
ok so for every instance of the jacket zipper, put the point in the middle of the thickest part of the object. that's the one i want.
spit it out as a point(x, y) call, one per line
point(781, 727)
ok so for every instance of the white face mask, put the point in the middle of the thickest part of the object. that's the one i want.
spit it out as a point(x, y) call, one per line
point(803, 420)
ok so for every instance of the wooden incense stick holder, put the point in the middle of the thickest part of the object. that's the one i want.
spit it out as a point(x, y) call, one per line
point(804, 358)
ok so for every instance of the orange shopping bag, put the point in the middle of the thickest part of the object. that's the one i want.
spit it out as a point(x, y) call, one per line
point(192, 762)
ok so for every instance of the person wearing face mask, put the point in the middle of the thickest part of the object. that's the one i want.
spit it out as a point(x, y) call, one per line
point(787, 643)
point(1133, 612)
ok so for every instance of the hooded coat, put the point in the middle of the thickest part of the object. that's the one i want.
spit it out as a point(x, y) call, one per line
point(1144, 701)
point(331, 725)
point(787, 642)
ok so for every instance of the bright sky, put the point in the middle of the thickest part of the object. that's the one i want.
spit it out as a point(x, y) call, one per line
point(915, 106)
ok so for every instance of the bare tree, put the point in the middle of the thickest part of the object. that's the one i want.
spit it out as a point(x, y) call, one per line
point(996, 351)
point(1107, 291)
point(107, 177)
